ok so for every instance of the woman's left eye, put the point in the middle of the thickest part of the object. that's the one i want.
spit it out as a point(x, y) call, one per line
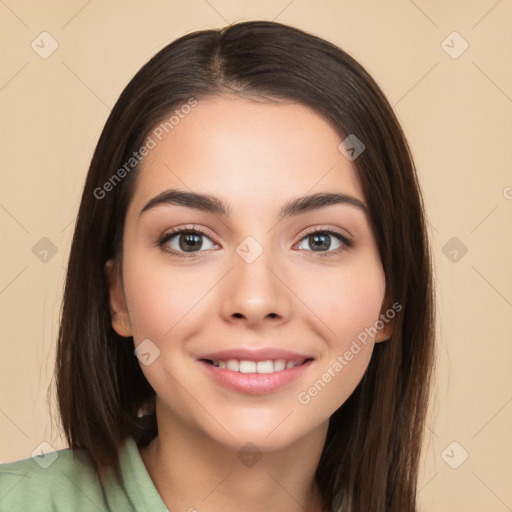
point(320, 242)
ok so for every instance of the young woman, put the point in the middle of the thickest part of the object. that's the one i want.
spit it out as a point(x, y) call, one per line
point(248, 313)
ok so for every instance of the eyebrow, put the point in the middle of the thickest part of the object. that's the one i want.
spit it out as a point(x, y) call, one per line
point(212, 204)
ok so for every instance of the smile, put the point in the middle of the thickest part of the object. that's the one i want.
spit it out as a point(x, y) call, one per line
point(246, 366)
point(254, 377)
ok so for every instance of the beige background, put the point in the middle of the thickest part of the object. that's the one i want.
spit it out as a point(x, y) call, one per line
point(456, 113)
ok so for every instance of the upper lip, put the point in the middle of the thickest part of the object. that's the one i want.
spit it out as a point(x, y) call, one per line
point(261, 354)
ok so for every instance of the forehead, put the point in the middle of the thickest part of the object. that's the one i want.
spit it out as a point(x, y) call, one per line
point(250, 150)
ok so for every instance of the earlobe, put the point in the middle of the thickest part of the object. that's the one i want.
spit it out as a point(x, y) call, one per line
point(386, 332)
point(118, 310)
point(385, 323)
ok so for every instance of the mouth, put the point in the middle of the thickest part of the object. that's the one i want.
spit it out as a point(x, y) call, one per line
point(255, 377)
point(249, 366)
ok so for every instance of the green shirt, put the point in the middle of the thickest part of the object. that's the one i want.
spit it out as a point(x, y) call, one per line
point(70, 483)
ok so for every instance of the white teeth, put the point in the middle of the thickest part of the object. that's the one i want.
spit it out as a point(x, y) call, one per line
point(232, 364)
point(245, 366)
point(279, 365)
point(264, 367)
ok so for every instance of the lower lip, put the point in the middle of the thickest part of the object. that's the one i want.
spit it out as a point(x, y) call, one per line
point(255, 383)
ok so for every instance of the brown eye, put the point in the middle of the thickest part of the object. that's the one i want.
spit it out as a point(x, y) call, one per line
point(321, 241)
point(184, 241)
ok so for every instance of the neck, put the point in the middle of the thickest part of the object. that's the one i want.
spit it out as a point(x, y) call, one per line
point(194, 473)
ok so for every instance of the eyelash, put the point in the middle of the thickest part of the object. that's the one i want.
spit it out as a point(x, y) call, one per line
point(347, 243)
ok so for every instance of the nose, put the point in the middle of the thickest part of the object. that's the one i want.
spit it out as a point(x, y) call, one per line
point(255, 293)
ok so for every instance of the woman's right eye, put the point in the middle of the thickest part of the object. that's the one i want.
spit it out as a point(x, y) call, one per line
point(184, 242)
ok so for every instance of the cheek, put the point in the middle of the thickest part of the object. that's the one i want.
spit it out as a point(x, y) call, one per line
point(159, 296)
point(346, 301)
point(350, 307)
point(347, 304)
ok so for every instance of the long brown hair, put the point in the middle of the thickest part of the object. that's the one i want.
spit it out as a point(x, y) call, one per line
point(371, 454)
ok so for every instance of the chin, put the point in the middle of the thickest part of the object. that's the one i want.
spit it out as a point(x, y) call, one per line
point(274, 432)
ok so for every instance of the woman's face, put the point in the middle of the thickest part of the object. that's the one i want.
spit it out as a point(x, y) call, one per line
point(253, 285)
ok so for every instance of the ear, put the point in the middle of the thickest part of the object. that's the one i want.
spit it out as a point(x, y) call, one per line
point(118, 310)
point(387, 320)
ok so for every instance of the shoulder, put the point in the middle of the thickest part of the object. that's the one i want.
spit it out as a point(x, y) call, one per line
point(60, 480)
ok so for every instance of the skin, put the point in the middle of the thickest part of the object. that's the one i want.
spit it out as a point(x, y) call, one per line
point(255, 156)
